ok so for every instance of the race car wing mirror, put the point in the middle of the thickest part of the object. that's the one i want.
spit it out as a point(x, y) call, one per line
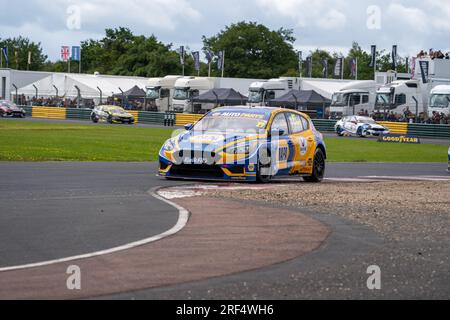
point(188, 126)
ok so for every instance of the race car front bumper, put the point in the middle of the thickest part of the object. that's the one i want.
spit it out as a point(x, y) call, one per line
point(226, 172)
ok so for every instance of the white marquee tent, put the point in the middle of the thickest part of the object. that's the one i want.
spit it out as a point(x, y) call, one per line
point(90, 85)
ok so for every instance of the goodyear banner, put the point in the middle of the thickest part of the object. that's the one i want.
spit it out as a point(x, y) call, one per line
point(399, 138)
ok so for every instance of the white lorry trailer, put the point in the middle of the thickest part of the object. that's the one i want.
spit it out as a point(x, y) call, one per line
point(187, 88)
point(160, 91)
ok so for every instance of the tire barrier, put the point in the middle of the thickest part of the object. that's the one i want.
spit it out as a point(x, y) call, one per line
point(183, 118)
point(49, 113)
point(395, 127)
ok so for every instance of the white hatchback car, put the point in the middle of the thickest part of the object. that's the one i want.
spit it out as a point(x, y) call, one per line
point(360, 126)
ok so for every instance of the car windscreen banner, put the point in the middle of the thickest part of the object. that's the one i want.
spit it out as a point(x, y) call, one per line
point(399, 138)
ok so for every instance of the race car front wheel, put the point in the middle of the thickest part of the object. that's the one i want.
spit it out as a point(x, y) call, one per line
point(318, 168)
point(264, 173)
point(94, 119)
point(339, 131)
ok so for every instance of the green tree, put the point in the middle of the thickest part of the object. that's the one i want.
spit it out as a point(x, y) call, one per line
point(18, 49)
point(254, 51)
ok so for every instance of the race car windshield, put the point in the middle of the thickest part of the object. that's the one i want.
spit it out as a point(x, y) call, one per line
point(368, 120)
point(233, 122)
point(117, 111)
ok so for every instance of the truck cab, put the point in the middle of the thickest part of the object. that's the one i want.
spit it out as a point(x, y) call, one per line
point(352, 98)
point(261, 92)
point(397, 95)
point(187, 88)
point(349, 102)
point(439, 100)
point(159, 92)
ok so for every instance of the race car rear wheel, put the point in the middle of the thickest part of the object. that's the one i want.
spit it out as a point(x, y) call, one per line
point(318, 168)
point(110, 120)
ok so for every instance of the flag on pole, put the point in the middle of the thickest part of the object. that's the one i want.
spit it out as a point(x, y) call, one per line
point(196, 56)
point(325, 68)
point(76, 53)
point(300, 61)
point(65, 53)
point(182, 55)
point(394, 57)
point(353, 67)
point(373, 55)
point(338, 68)
point(220, 60)
point(424, 70)
point(209, 55)
point(309, 64)
point(413, 66)
point(5, 54)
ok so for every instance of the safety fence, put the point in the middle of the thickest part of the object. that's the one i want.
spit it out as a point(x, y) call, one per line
point(418, 130)
point(180, 119)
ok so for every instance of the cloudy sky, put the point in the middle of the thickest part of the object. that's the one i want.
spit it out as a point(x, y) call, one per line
point(327, 24)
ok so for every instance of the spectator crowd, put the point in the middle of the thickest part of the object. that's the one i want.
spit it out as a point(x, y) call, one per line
point(433, 54)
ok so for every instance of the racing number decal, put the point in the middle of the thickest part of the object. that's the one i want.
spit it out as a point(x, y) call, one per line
point(283, 154)
point(303, 146)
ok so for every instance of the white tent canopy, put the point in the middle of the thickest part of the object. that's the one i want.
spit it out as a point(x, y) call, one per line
point(325, 87)
point(89, 85)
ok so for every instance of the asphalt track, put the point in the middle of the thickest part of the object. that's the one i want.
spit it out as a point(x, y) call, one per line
point(54, 210)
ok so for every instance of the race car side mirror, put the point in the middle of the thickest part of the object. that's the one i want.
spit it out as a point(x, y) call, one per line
point(188, 126)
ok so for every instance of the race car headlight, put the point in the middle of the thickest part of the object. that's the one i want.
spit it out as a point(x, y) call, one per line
point(169, 145)
point(241, 148)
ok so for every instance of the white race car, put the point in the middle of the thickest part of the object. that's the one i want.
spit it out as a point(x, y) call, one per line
point(360, 126)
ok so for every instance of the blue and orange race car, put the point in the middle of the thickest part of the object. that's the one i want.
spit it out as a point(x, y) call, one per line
point(246, 143)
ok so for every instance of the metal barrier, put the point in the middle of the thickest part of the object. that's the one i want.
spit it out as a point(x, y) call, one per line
point(324, 125)
point(78, 114)
point(151, 117)
point(429, 130)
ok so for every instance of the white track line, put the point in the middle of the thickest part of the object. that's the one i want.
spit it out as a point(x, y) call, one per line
point(183, 219)
point(409, 178)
